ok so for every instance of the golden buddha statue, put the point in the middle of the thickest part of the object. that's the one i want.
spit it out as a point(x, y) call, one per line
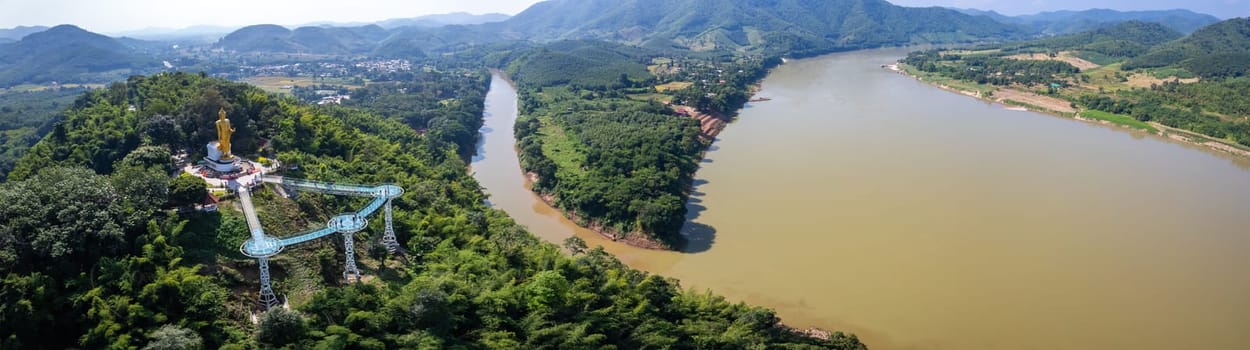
point(224, 130)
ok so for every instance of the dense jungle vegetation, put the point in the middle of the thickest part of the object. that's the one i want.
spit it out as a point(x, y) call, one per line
point(25, 117)
point(93, 256)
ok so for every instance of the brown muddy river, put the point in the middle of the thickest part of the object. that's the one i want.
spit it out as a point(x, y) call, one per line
point(864, 201)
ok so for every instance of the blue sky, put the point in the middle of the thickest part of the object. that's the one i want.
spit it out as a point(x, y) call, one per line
point(111, 16)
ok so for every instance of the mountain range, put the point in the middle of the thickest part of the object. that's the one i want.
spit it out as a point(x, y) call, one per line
point(321, 40)
point(777, 26)
point(793, 28)
point(392, 37)
point(1068, 22)
point(786, 27)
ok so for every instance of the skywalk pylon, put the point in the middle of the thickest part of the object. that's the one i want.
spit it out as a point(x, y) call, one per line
point(262, 246)
point(388, 237)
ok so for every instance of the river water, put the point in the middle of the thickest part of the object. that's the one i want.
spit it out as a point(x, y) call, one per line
point(864, 201)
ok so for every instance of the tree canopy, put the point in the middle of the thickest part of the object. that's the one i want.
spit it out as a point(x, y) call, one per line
point(81, 269)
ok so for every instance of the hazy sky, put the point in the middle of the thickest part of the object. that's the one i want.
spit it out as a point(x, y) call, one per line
point(110, 16)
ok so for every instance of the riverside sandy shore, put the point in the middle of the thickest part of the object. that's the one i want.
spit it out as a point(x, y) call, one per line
point(1060, 108)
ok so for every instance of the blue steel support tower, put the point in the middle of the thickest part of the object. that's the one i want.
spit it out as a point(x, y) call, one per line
point(388, 237)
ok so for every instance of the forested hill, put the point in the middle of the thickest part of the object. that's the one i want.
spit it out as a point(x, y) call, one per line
point(68, 54)
point(1068, 22)
point(1221, 49)
point(791, 27)
point(314, 40)
point(580, 63)
point(93, 256)
point(1124, 40)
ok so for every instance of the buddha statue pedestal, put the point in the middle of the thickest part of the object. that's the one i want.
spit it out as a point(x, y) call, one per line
point(214, 160)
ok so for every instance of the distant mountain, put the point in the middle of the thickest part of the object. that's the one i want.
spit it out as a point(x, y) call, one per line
point(339, 40)
point(991, 14)
point(1067, 22)
point(321, 40)
point(1146, 34)
point(19, 32)
point(1104, 45)
point(417, 41)
point(794, 27)
point(786, 27)
point(439, 20)
point(197, 34)
point(260, 37)
point(1221, 49)
point(66, 53)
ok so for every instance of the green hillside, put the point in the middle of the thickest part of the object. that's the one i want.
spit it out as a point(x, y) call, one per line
point(1123, 40)
point(1069, 22)
point(792, 27)
point(417, 41)
point(1221, 49)
point(25, 117)
point(580, 63)
point(68, 54)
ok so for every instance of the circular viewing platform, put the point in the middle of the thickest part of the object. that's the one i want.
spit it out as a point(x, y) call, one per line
point(348, 223)
point(390, 191)
point(266, 247)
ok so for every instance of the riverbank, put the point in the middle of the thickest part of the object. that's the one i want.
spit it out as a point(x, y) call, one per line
point(588, 145)
point(1017, 99)
point(633, 239)
point(839, 181)
point(710, 123)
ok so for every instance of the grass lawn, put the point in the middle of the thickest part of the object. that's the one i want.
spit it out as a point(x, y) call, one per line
point(277, 84)
point(562, 149)
point(941, 80)
point(1119, 119)
point(676, 85)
